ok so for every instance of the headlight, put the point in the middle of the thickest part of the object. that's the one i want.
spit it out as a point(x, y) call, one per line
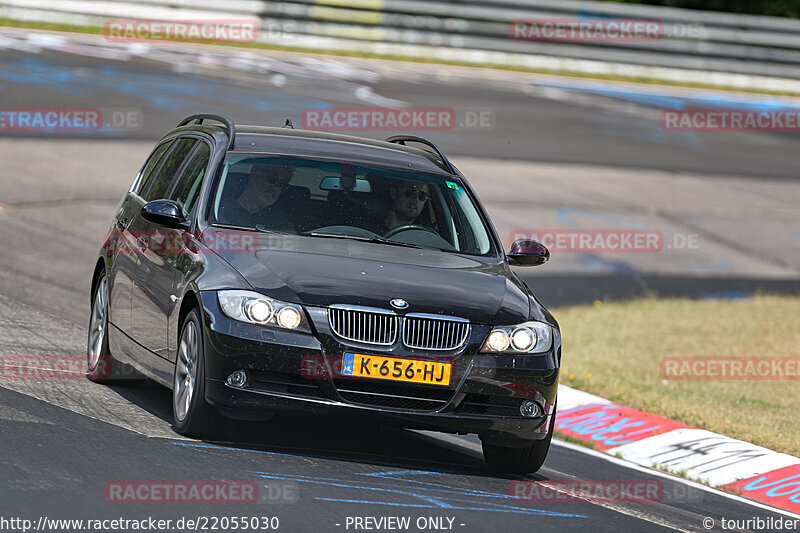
point(530, 337)
point(289, 318)
point(497, 341)
point(255, 308)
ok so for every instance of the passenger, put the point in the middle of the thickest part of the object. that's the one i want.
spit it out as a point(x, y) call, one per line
point(257, 204)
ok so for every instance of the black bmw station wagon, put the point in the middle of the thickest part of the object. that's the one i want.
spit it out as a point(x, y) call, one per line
point(259, 270)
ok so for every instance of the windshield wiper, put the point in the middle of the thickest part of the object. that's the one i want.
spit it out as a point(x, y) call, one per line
point(261, 228)
point(362, 238)
point(258, 227)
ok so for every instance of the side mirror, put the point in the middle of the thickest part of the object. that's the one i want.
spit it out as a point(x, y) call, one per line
point(165, 213)
point(528, 253)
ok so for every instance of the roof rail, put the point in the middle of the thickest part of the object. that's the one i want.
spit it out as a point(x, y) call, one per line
point(402, 139)
point(198, 119)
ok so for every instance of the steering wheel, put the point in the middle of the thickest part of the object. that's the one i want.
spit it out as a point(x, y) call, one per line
point(394, 231)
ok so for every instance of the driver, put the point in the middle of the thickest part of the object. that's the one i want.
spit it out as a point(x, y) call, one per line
point(408, 199)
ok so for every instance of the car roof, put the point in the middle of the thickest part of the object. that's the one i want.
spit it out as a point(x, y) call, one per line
point(326, 145)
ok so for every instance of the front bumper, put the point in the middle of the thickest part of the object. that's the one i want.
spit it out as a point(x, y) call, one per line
point(298, 373)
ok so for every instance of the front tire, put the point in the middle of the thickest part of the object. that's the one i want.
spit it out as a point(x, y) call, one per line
point(193, 416)
point(101, 367)
point(521, 460)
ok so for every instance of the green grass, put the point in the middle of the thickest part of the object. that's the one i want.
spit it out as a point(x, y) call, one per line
point(99, 31)
point(573, 440)
point(614, 350)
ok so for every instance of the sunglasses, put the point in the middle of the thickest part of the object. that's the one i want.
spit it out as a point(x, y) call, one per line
point(422, 196)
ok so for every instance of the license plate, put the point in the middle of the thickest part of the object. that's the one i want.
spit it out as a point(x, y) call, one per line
point(408, 370)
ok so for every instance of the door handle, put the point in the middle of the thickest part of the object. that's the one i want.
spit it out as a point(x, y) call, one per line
point(122, 223)
point(143, 241)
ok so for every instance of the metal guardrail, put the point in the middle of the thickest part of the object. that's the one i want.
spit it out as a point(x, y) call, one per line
point(742, 46)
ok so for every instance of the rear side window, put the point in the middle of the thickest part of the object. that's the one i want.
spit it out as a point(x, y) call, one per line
point(187, 188)
point(145, 178)
point(166, 173)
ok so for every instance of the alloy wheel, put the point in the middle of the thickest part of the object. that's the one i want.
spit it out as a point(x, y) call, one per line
point(98, 324)
point(186, 371)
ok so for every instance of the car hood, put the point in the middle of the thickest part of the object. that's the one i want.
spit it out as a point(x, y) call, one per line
point(323, 271)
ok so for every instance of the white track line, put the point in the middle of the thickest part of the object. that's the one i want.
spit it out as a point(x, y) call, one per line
point(659, 473)
point(627, 464)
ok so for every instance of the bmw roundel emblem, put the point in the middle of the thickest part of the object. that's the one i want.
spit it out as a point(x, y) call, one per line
point(399, 303)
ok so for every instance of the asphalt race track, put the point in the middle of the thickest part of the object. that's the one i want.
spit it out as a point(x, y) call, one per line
point(561, 153)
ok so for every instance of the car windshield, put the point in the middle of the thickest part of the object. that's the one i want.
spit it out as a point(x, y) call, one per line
point(336, 200)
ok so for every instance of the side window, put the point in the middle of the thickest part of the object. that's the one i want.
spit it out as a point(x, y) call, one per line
point(187, 187)
point(163, 179)
point(149, 168)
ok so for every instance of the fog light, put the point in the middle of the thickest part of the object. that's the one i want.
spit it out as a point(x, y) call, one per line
point(237, 379)
point(530, 409)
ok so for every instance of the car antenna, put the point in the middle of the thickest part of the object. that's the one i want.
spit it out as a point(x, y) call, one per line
point(289, 124)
